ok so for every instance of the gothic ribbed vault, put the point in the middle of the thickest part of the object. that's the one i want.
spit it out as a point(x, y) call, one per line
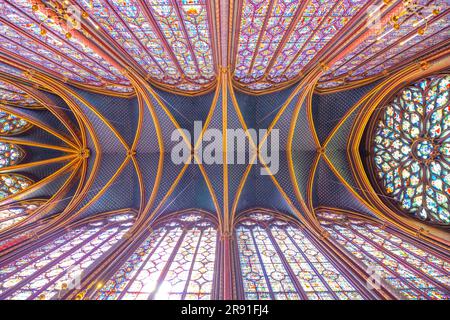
point(100, 97)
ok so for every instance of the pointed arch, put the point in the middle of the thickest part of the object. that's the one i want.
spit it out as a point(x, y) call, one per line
point(11, 125)
point(54, 264)
point(176, 259)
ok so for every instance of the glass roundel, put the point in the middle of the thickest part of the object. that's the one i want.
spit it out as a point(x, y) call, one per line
point(411, 149)
point(12, 125)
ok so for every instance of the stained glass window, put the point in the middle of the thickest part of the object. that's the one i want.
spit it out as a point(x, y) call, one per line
point(277, 39)
point(170, 40)
point(12, 125)
point(12, 241)
point(411, 146)
point(176, 262)
point(412, 270)
point(36, 36)
point(10, 94)
point(389, 47)
point(10, 154)
point(278, 260)
point(188, 37)
point(13, 183)
point(59, 263)
point(8, 69)
point(16, 212)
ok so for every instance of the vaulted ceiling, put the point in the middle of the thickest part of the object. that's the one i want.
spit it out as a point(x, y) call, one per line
point(105, 96)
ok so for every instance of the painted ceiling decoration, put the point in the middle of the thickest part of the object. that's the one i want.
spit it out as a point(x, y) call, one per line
point(353, 95)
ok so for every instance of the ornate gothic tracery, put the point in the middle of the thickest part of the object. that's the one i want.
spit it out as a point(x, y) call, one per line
point(411, 145)
point(267, 54)
point(10, 154)
point(278, 260)
point(103, 99)
point(12, 125)
point(415, 272)
point(14, 213)
point(13, 183)
point(54, 266)
point(177, 261)
point(174, 44)
point(11, 95)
